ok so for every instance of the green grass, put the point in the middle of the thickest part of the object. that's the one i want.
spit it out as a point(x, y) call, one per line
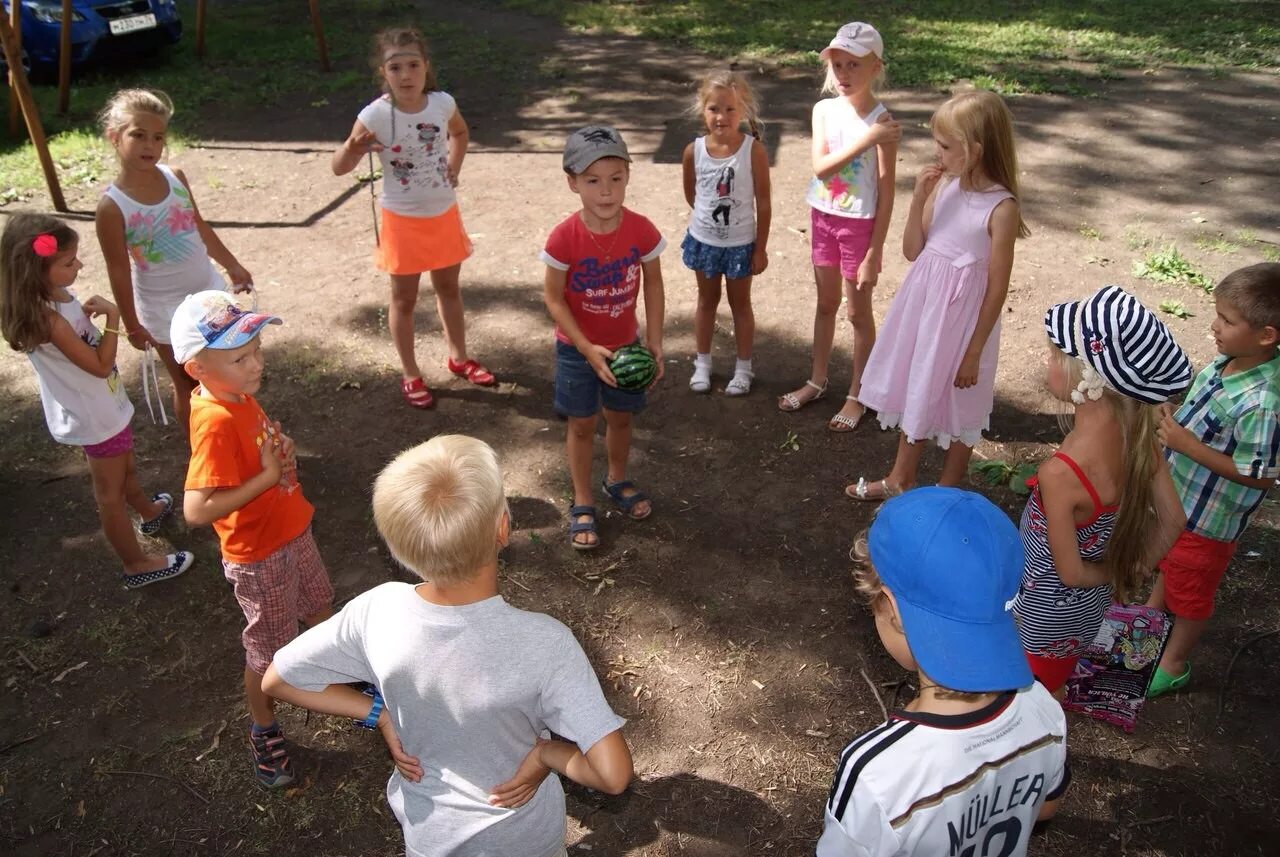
point(1168, 265)
point(1010, 47)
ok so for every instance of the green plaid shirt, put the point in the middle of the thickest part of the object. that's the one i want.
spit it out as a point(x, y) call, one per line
point(1239, 415)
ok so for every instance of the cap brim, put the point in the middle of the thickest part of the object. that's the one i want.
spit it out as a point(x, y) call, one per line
point(964, 656)
point(246, 327)
point(848, 49)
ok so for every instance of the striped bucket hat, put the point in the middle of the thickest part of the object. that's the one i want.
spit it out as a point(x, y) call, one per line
point(1123, 342)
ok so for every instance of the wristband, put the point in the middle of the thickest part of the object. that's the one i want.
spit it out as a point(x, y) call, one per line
point(371, 722)
point(118, 330)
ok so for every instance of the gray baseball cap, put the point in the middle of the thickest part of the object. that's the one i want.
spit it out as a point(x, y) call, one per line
point(587, 145)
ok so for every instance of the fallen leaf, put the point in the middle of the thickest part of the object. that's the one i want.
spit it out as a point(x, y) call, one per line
point(78, 666)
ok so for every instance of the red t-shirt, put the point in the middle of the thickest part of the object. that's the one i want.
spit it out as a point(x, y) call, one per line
point(225, 439)
point(603, 274)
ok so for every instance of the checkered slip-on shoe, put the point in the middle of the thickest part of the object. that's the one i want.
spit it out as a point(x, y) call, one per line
point(178, 563)
point(271, 758)
point(150, 528)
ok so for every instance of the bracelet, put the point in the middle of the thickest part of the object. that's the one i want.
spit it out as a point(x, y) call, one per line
point(116, 330)
point(371, 722)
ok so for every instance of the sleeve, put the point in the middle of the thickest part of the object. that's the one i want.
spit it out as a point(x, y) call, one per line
point(448, 104)
point(559, 248)
point(1064, 779)
point(332, 652)
point(373, 117)
point(1257, 450)
point(650, 237)
point(572, 703)
point(864, 830)
point(215, 455)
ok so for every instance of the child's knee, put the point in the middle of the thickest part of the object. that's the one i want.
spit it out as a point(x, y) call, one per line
point(582, 428)
point(828, 305)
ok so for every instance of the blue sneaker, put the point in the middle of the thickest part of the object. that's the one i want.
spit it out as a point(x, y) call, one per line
point(270, 757)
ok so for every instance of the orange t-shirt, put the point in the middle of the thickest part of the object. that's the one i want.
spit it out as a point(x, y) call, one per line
point(225, 442)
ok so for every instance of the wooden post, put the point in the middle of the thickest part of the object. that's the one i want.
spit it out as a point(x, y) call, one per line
point(319, 28)
point(30, 113)
point(64, 60)
point(15, 109)
point(200, 18)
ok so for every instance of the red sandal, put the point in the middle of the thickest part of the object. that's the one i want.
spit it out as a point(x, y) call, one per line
point(416, 393)
point(473, 372)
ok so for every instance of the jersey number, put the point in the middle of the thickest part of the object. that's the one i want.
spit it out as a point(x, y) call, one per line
point(1010, 830)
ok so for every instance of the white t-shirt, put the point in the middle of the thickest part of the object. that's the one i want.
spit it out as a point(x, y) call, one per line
point(724, 210)
point(967, 785)
point(851, 192)
point(469, 689)
point(415, 154)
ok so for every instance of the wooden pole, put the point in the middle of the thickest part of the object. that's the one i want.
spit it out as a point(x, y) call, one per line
point(64, 60)
point(319, 28)
point(15, 109)
point(200, 18)
point(30, 113)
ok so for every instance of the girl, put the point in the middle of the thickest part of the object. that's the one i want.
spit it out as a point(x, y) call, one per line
point(932, 373)
point(148, 217)
point(421, 139)
point(855, 150)
point(1104, 508)
point(725, 171)
point(84, 401)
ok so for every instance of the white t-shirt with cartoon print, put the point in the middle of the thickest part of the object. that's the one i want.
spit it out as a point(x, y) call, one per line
point(415, 165)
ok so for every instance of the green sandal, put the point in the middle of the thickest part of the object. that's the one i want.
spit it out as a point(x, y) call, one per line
point(1162, 682)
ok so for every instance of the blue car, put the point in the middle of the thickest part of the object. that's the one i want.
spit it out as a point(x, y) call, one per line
point(100, 29)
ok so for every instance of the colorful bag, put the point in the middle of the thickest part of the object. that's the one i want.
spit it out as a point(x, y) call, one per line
point(1111, 678)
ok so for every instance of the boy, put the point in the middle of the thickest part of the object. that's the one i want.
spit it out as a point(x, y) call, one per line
point(979, 755)
point(242, 479)
point(597, 260)
point(1223, 446)
point(471, 683)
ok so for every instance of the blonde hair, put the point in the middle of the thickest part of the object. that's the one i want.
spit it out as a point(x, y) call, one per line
point(1136, 517)
point(400, 37)
point(829, 86)
point(24, 277)
point(438, 507)
point(981, 118)
point(748, 105)
point(127, 103)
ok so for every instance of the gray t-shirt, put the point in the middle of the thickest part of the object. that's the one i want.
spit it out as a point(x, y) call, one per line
point(469, 689)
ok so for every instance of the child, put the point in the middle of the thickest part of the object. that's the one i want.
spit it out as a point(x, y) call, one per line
point(1224, 450)
point(477, 777)
point(598, 260)
point(979, 756)
point(243, 480)
point(84, 400)
point(855, 154)
point(932, 373)
point(1103, 509)
point(148, 219)
point(726, 182)
point(421, 139)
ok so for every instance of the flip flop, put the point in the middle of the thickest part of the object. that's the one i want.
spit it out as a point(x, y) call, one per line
point(473, 372)
point(416, 393)
point(840, 424)
point(862, 491)
point(790, 402)
point(626, 502)
point(576, 527)
point(1162, 682)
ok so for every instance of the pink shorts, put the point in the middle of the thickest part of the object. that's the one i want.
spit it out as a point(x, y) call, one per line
point(840, 241)
point(276, 594)
point(111, 447)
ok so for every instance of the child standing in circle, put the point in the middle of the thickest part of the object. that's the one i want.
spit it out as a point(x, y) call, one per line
point(148, 219)
point(726, 182)
point(421, 139)
point(855, 152)
point(84, 400)
point(1103, 510)
point(932, 372)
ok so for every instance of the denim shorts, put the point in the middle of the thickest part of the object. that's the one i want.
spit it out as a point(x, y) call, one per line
point(579, 393)
point(733, 262)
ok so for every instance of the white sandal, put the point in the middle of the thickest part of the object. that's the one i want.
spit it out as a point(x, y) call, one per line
point(862, 490)
point(740, 385)
point(848, 422)
point(790, 402)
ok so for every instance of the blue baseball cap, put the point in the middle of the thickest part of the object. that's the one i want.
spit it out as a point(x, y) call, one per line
point(213, 319)
point(953, 561)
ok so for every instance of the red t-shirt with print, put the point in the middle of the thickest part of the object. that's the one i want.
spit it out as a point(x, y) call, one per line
point(603, 274)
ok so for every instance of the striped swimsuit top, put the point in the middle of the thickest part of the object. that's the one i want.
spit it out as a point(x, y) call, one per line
point(1056, 620)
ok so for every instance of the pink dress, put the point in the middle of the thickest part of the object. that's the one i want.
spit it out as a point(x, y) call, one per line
point(910, 377)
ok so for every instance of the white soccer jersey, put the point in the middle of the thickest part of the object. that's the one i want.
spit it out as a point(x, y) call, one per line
point(967, 785)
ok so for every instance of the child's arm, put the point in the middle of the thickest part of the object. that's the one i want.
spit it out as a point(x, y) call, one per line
point(1004, 229)
point(826, 164)
point(606, 767)
point(764, 206)
point(459, 139)
point(1060, 494)
point(553, 296)
point(654, 312)
point(1171, 518)
point(360, 142)
point(1179, 439)
point(887, 162)
point(920, 215)
point(98, 361)
point(690, 178)
point(108, 222)
point(202, 506)
point(241, 279)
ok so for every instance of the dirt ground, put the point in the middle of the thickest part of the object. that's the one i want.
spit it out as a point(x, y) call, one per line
point(725, 627)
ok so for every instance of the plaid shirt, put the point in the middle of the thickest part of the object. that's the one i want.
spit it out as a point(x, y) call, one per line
point(1239, 415)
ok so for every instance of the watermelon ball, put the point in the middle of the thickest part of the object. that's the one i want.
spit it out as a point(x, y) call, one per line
point(633, 367)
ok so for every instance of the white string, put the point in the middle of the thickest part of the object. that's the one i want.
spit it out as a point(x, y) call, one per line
point(149, 368)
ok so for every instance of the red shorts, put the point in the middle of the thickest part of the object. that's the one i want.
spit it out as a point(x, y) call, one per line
point(117, 444)
point(1052, 672)
point(276, 594)
point(1192, 570)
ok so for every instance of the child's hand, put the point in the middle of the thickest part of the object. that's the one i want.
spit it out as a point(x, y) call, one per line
point(408, 766)
point(365, 141)
point(521, 788)
point(656, 351)
point(453, 176)
point(967, 374)
point(97, 305)
point(140, 338)
point(270, 459)
point(1171, 433)
point(759, 260)
point(599, 356)
point(868, 274)
point(927, 180)
point(241, 279)
point(886, 129)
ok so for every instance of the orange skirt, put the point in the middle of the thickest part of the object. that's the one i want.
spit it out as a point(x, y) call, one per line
point(411, 245)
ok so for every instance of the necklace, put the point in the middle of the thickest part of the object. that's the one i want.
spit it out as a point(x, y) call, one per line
point(607, 252)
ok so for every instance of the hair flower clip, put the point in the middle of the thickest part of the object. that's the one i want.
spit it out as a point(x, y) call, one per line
point(44, 245)
point(1091, 386)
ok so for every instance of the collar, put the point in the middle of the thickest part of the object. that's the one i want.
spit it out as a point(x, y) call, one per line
point(986, 713)
point(1263, 375)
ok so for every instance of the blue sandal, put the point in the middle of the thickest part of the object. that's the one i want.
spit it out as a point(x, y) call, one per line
point(626, 502)
point(576, 527)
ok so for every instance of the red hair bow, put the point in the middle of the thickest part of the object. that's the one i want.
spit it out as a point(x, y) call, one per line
point(45, 245)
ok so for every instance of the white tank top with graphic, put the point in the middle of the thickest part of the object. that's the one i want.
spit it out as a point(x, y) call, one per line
point(415, 154)
point(724, 211)
point(851, 192)
point(79, 408)
point(168, 255)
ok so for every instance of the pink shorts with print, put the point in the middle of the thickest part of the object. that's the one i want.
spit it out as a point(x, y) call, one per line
point(111, 447)
point(276, 594)
point(840, 241)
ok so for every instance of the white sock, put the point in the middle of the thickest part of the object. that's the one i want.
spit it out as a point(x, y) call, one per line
point(701, 380)
point(742, 366)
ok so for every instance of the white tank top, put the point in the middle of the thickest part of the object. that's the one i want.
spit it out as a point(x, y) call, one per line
point(724, 211)
point(851, 192)
point(79, 408)
point(168, 255)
